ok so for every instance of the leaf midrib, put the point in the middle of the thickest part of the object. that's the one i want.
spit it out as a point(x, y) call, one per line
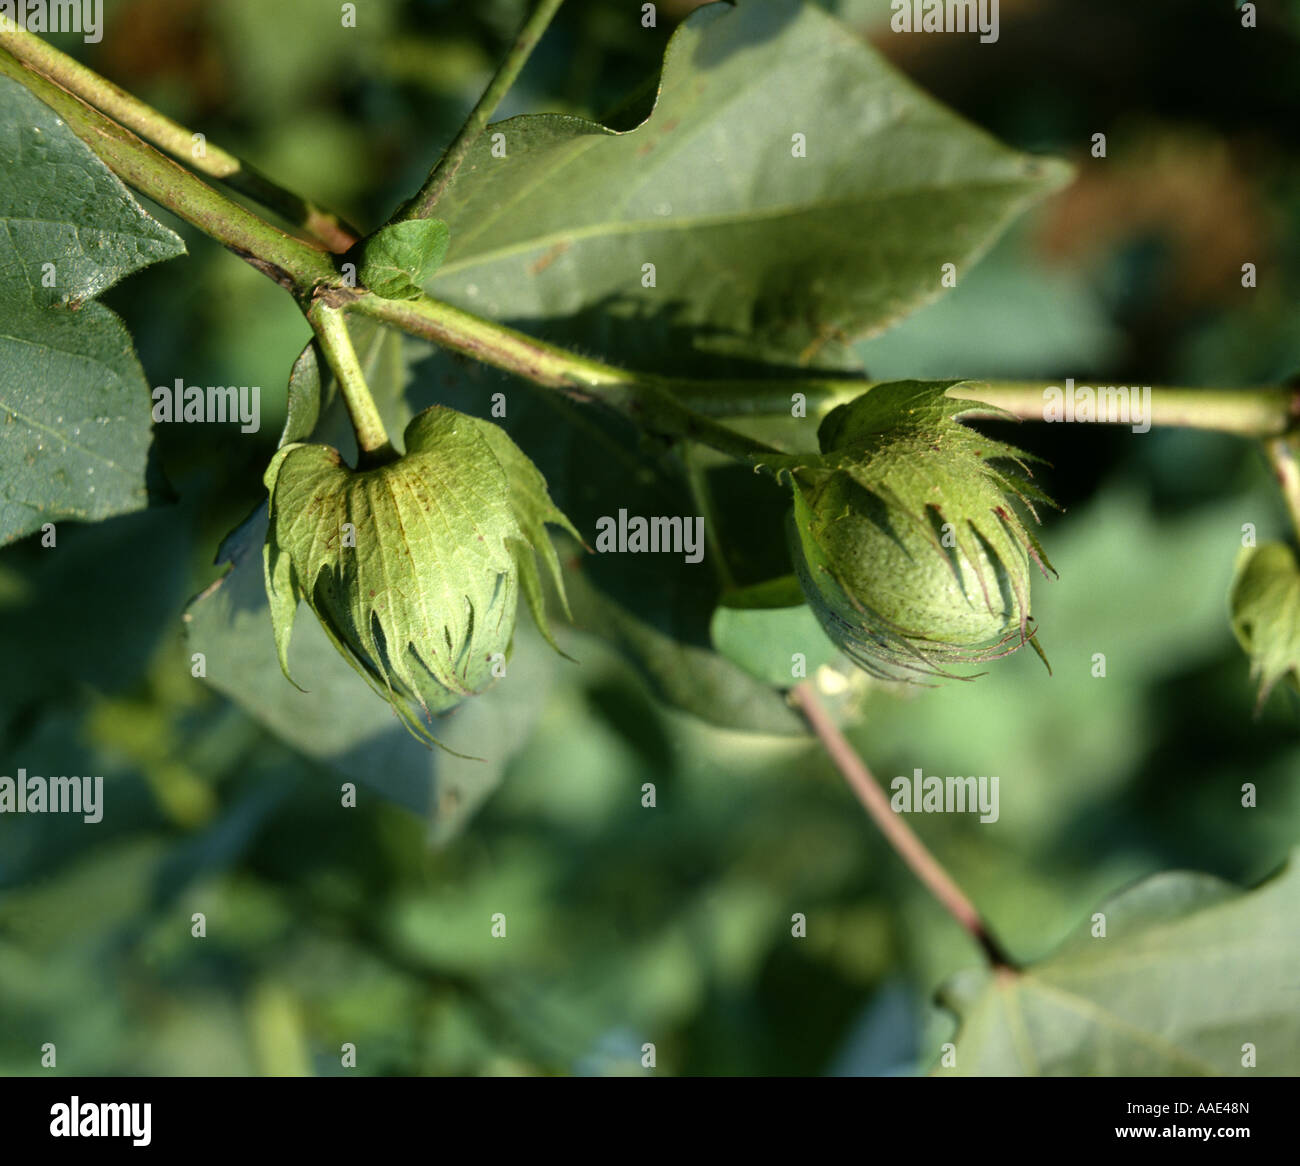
point(705, 222)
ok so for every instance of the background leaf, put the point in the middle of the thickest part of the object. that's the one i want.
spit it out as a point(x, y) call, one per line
point(763, 641)
point(74, 404)
point(1189, 971)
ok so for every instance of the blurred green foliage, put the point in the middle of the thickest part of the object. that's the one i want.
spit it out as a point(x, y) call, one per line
point(671, 925)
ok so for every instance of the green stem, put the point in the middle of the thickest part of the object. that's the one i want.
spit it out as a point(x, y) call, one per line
point(687, 407)
point(156, 127)
point(1247, 412)
point(423, 204)
point(648, 400)
point(1244, 412)
point(491, 343)
point(1283, 456)
point(336, 343)
point(291, 262)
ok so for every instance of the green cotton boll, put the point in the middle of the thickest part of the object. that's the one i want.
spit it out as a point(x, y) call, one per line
point(905, 540)
point(413, 568)
point(928, 592)
point(1265, 606)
